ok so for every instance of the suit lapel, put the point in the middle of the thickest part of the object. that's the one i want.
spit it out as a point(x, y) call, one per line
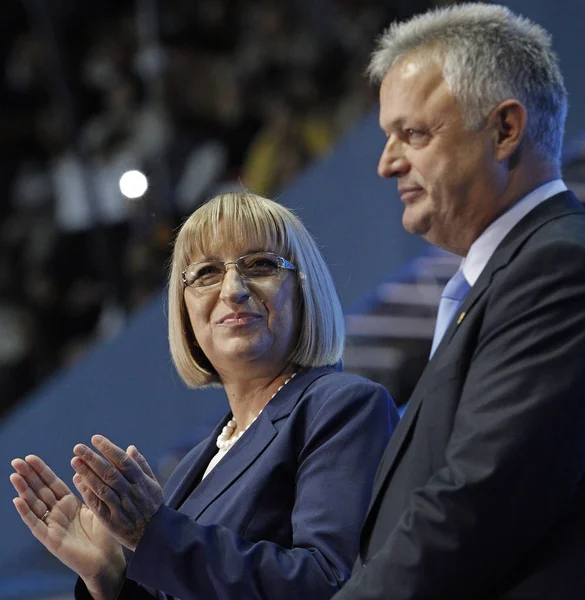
point(245, 452)
point(557, 206)
point(236, 462)
point(195, 472)
point(427, 379)
point(401, 432)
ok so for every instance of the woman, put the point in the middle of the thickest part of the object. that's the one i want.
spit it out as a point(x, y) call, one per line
point(271, 504)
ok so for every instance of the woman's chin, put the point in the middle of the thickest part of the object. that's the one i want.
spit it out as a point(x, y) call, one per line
point(245, 351)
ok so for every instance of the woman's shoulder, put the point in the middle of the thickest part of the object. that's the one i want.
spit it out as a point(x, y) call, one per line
point(333, 380)
point(338, 400)
point(345, 389)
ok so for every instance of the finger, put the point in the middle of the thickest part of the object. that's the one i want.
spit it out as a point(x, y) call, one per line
point(97, 485)
point(34, 481)
point(102, 468)
point(97, 507)
point(48, 477)
point(120, 459)
point(33, 502)
point(141, 461)
point(37, 527)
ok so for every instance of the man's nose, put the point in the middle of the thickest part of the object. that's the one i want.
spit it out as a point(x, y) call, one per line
point(234, 287)
point(392, 162)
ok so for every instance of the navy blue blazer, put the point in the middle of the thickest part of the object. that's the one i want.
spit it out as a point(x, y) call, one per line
point(280, 515)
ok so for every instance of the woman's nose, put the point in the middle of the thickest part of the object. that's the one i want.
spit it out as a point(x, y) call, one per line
point(234, 287)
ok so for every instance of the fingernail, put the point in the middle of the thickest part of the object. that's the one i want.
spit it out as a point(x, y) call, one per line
point(80, 450)
point(97, 439)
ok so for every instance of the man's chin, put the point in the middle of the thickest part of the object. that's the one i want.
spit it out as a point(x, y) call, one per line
point(415, 224)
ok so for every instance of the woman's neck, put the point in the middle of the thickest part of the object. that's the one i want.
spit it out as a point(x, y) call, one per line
point(248, 395)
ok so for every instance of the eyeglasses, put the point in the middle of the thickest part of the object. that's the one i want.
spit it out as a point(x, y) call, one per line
point(258, 265)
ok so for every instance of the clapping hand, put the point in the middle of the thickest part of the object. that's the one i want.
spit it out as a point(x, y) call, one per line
point(119, 488)
point(66, 527)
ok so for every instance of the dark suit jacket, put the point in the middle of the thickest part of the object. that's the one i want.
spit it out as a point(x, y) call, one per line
point(481, 491)
point(280, 515)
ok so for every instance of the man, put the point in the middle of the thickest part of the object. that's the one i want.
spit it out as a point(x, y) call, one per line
point(481, 491)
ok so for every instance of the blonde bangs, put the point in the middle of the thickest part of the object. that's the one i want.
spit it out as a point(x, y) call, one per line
point(241, 219)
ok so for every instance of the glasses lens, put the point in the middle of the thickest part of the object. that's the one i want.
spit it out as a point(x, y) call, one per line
point(205, 273)
point(261, 264)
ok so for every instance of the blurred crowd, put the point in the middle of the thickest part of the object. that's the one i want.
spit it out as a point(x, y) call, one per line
point(199, 95)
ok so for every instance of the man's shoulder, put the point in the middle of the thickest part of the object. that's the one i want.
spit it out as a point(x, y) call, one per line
point(556, 224)
point(551, 254)
point(563, 230)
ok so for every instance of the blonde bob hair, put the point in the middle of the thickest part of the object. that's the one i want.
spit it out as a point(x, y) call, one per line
point(262, 223)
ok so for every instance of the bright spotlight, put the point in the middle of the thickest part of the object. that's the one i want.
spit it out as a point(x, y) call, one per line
point(133, 184)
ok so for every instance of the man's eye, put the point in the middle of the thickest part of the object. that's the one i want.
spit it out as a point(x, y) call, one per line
point(416, 136)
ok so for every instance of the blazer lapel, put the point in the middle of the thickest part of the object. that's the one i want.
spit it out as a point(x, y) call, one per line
point(557, 206)
point(427, 379)
point(401, 432)
point(247, 449)
point(195, 472)
point(240, 457)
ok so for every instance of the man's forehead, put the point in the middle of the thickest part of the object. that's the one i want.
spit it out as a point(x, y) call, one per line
point(411, 67)
point(413, 74)
point(413, 82)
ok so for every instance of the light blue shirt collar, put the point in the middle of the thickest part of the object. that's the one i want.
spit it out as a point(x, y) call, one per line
point(485, 245)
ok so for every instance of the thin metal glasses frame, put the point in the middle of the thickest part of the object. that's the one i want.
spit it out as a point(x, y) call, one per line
point(281, 262)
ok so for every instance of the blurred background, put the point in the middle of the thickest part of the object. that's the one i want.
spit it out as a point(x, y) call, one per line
point(198, 96)
point(118, 118)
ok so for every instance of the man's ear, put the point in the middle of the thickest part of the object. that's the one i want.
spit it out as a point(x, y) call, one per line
point(508, 123)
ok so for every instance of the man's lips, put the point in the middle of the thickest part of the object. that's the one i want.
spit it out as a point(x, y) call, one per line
point(240, 318)
point(408, 194)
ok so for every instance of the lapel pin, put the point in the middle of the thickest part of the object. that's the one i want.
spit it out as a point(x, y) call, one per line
point(461, 317)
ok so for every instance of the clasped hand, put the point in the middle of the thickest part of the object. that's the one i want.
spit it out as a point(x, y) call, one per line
point(118, 487)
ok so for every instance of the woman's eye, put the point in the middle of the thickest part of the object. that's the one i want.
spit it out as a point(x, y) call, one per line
point(262, 262)
point(207, 271)
point(261, 266)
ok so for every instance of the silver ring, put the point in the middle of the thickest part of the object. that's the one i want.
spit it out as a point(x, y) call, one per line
point(43, 518)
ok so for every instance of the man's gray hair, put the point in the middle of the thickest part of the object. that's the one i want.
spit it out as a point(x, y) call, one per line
point(488, 55)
